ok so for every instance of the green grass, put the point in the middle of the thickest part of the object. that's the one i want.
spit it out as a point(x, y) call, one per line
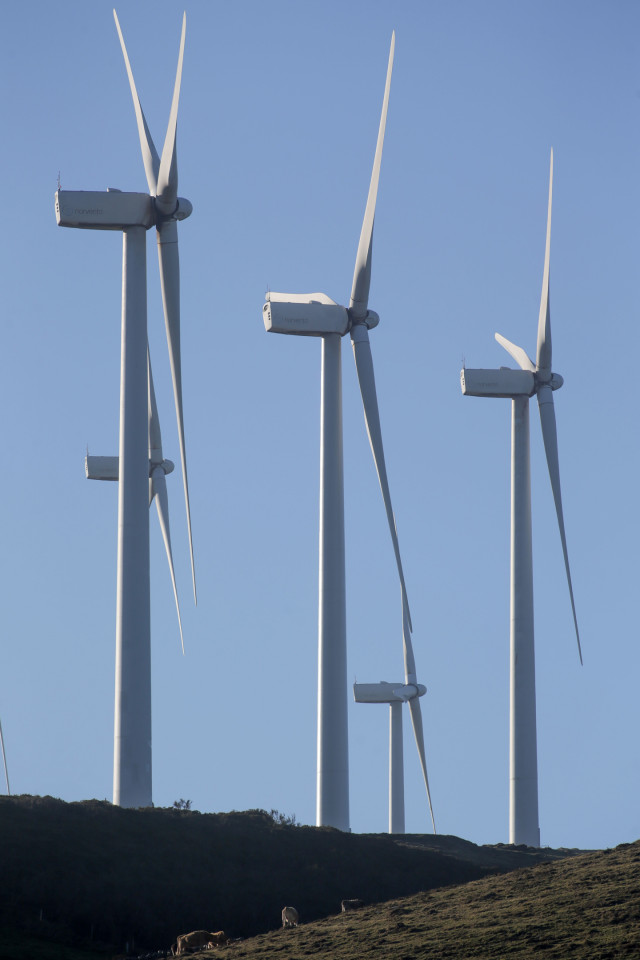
point(586, 908)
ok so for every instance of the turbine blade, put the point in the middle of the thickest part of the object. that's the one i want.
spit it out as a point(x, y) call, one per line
point(550, 438)
point(517, 353)
point(155, 436)
point(170, 281)
point(409, 659)
point(543, 356)
point(149, 153)
point(366, 379)
point(362, 272)
point(167, 191)
point(159, 483)
point(416, 720)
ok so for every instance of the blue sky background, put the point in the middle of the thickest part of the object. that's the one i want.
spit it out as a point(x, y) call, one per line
point(278, 120)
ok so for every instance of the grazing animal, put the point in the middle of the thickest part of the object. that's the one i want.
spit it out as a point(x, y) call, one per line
point(351, 905)
point(197, 939)
point(289, 917)
point(218, 939)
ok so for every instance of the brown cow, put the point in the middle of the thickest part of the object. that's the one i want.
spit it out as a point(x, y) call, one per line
point(197, 940)
point(289, 917)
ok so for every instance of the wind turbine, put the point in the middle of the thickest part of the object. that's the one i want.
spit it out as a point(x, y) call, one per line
point(519, 385)
point(107, 468)
point(317, 315)
point(134, 214)
point(395, 694)
point(4, 762)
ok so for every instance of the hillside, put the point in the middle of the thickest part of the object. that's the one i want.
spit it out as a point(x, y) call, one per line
point(92, 875)
point(584, 908)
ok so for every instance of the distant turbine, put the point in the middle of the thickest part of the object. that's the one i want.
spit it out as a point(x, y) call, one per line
point(4, 761)
point(107, 468)
point(317, 315)
point(395, 694)
point(134, 214)
point(519, 385)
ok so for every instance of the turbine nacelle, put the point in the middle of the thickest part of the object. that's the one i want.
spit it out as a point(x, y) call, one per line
point(497, 383)
point(113, 209)
point(384, 692)
point(310, 315)
point(104, 209)
point(504, 382)
point(107, 468)
point(304, 314)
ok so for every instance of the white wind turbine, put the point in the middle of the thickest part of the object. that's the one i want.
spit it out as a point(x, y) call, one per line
point(519, 385)
point(317, 315)
point(140, 459)
point(395, 694)
point(107, 468)
point(4, 762)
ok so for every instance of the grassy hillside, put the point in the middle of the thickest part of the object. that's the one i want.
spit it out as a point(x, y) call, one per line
point(91, 874)
point(585, 908)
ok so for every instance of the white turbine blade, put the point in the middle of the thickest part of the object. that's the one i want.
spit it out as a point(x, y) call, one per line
point(159, 483)
point(416, 720)
point(362, 272)
point(150, 156)
point(170, 282)
point(4, 760)
point(409, 659)
point(543, 356)
point(167, 192)
point(550, 438)
point(518, 354)
point(155, 436)
point(366, 379)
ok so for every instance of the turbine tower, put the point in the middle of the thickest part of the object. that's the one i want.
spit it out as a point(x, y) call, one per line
point(317, 315)
point(395, 694)
point(519, 385)
point(134, 214)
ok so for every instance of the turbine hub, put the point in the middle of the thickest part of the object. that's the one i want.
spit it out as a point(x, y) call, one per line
point(410, 691)
point(167, 466)
point(182, 210)
point(370, 320)
point(556, 381)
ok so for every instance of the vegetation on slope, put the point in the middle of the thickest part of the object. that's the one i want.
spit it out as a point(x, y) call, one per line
point(86, 874)
point(584, 908)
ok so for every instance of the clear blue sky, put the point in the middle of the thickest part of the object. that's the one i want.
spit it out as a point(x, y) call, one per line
point(278, 119)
